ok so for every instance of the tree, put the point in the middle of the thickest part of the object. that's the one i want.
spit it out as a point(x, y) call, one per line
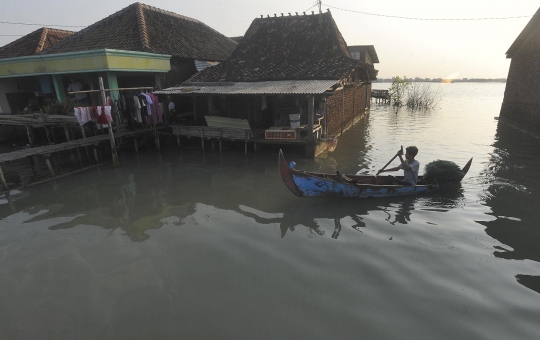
point(398, 91)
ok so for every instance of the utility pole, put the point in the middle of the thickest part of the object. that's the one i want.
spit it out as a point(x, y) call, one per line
point(319, 2)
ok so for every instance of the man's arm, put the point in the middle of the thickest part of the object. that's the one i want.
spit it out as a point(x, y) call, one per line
point(403, 163)
point(391, 169)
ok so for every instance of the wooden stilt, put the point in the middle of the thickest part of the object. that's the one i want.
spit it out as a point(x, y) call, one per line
point(83, 132)
point(96, 153)
point(48, 133)
point(10, 202)
point(30, 134)
point(33, 163)
point(245, 142)
point(3, 179)
point(67, 133)
point(202, 139)
point(49, 164)
point(178, 139)
point(80, 158)
point(156, 136)
point(135, 144)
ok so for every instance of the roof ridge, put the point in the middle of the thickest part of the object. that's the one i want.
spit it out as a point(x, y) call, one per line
point(159, 10)
point(41, 40)
point(143, 33)
point(96, 24)
point(291, 16)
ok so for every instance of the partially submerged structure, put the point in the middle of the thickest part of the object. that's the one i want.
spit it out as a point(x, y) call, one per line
point(521, 104)
point(291, 77)
point(139, 45)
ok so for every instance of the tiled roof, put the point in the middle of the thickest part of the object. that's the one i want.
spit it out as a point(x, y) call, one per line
point(290, 47)
point(34, 42)
point(237, 39)
point(143, 28)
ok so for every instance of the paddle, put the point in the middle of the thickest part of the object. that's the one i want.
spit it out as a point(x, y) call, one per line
point(384, 167)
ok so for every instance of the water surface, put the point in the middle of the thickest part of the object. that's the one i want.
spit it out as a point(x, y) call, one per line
point(186, 244)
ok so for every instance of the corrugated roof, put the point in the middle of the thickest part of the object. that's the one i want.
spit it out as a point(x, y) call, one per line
point(202, 64)
point(254, 88)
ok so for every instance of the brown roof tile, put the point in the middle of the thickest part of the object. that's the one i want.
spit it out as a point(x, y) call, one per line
point(290, 47)
point(143, 28)
point(33, 42)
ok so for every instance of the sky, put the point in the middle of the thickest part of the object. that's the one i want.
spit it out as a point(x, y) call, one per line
point(411, 48)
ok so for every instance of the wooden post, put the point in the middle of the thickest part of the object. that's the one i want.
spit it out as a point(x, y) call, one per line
point(96, 153)
point(3, 179)
point(325, 120)
point(67, 133)
point(83, 132)
point(33, 164)
point(111, 134)
point(310, 147)
point(49, 163)
point(48, 133)
point(209, 100)
point(194, 98)
point(30, 134)
point(246, 137)
point(135, 143)
point(202, 138)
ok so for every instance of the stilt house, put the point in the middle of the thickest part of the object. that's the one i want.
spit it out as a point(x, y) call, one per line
point(521, 104)
point(291, 77)
point(139, 45)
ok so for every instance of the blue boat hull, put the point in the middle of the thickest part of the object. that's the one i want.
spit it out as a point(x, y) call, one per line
point(310, 184)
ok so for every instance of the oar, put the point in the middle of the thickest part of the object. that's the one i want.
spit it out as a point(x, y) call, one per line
point(384, 167)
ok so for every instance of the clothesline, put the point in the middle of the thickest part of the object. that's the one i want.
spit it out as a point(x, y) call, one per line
point(119, 89)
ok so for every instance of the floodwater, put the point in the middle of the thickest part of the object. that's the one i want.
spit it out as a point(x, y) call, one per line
point(193, 245)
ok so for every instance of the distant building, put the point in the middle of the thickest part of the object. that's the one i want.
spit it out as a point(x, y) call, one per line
point(521, 104)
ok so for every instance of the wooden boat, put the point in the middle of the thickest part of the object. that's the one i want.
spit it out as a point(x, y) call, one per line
point(313, 184)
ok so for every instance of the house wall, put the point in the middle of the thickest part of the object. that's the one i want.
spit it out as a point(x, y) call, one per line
point(6, 86)
point(521, 103)
point(345, 105)
point(181, 70)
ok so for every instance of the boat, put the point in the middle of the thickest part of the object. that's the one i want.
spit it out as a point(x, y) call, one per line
point(312, 184)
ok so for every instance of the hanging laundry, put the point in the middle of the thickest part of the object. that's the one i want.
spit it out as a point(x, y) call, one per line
point(77, 112)
point(108, 110)
point(137, 108)
point(157, 108)
point(87, 114)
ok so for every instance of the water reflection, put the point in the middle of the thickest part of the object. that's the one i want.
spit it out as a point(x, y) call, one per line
point(136, 199)
point(512, 191)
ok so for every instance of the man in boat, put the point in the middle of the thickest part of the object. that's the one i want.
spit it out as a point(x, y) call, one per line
point(409, 165)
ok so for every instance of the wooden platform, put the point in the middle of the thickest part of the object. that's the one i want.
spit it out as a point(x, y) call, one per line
point(47, 150)
point(380, 95)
